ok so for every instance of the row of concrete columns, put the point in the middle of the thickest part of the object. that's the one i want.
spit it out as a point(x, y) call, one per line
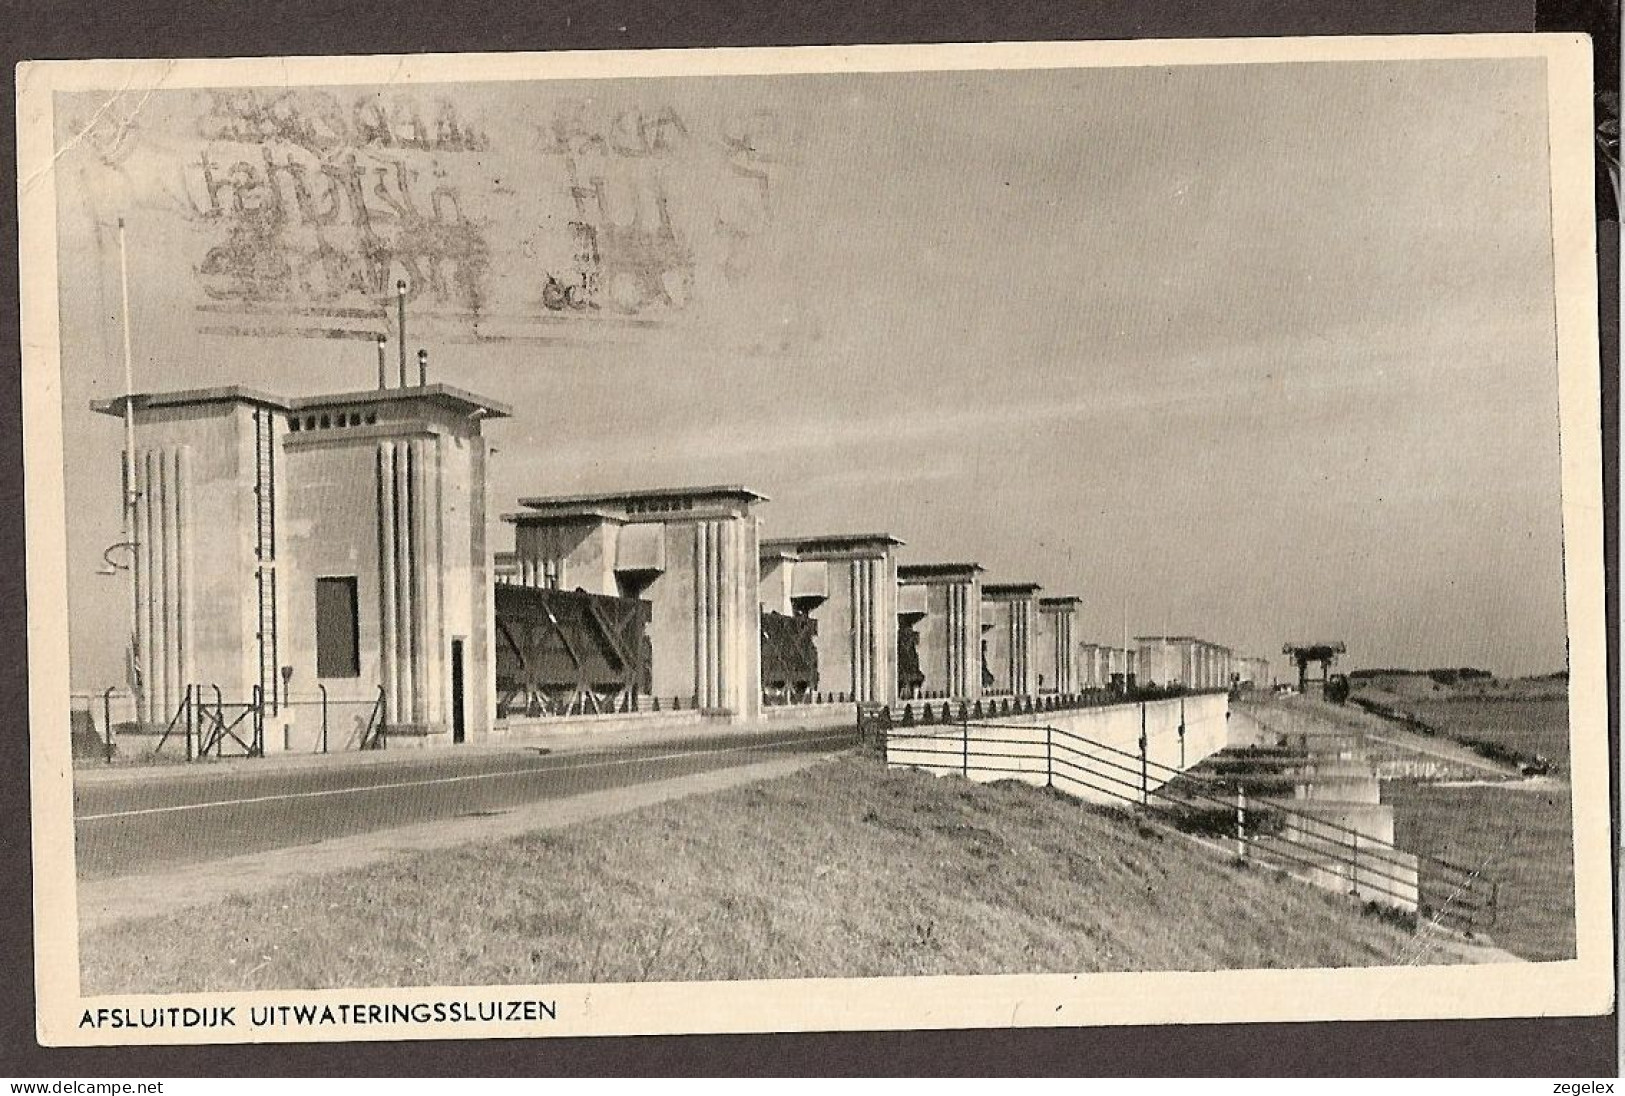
point(409, 490)
point(162, 529)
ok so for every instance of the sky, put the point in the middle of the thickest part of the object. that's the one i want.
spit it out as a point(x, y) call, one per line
point(1249, 352)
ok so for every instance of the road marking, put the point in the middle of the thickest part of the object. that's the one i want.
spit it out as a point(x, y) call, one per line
point(453, 779)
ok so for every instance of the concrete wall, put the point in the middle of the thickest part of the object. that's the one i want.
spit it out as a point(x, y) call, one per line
point(331, 528)
point(1098, 747)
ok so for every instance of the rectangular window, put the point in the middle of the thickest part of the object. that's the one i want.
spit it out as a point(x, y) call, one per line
point(338, 628)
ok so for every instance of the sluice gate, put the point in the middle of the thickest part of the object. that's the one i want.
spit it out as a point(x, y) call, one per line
point(570, 652)
point(789, 658)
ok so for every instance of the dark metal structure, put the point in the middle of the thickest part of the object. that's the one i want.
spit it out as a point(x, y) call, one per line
point(789, 658)
point(910, 678)
point(566, 652)
point(1324, 652)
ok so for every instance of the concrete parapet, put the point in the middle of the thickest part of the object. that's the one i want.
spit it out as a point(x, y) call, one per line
point(1093, 753)
point(524, 730)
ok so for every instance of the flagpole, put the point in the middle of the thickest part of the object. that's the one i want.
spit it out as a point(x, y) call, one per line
point(130, 532)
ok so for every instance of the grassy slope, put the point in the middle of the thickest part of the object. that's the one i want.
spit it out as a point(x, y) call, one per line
point(1523, 835)
point(1531, 716)
point(1520, 835)
point(844, 870)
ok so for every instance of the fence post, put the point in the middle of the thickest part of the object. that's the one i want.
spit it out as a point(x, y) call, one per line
point(1354, 865)
point(1241, 822)
point(107, 720)
point(323, 689)
point(189, 723)
point(1181, 732)
point(1049, 757)
point(964, 728)
point(258, 697)
point(1145, 774)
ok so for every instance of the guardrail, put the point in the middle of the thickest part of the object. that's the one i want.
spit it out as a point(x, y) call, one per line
point(208, 723)
point(1266, 831)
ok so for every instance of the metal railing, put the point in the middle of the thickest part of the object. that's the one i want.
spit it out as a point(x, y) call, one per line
point(206, 723)
point(543, 705)
point(375, 734)
point(1265, 831)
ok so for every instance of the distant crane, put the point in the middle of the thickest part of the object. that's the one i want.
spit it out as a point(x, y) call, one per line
point(1323, 652)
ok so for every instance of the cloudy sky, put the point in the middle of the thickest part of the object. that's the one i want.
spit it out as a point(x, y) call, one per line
point(1254, 351)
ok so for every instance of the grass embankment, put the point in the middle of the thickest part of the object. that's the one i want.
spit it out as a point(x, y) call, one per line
point(1528, 716)
point(845, 870)
point(1519, 834)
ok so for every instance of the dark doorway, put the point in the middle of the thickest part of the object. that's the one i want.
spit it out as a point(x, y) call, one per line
point(458, 730)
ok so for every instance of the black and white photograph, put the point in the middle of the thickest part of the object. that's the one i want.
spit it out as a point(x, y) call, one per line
point(814, 539)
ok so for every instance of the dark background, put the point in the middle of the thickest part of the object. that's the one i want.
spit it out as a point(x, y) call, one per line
point(1554, 1047)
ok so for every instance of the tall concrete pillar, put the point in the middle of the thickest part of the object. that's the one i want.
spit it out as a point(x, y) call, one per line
point(857, 625)
point(1010, 608)
point(950, 630)
point(1057, 653)
point(388, 553)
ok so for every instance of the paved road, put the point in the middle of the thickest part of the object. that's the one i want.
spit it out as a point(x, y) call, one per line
point(150, 825)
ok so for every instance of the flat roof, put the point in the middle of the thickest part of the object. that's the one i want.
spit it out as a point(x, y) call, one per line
point(236, 393)
point(830, 542)
point(575, 513)
point(910, 571)
point(231, 393)
point(1060, 602)
point(438, 393)
point(649, 494)
point(1182, 639)
point(1010, 589)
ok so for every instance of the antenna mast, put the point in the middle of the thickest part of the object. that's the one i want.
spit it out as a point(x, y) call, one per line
point(129, 386)
point(131, 534)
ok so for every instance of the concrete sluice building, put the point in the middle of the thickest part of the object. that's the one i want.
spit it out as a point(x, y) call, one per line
point(286, 546)
point(690, 553)
point(1183, 660)
point(1104, 667)
point(324, 561)
point(1009, 616)
point(1251, 672)
point(1057, 653)
point(939, 626)
point(847, 586)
